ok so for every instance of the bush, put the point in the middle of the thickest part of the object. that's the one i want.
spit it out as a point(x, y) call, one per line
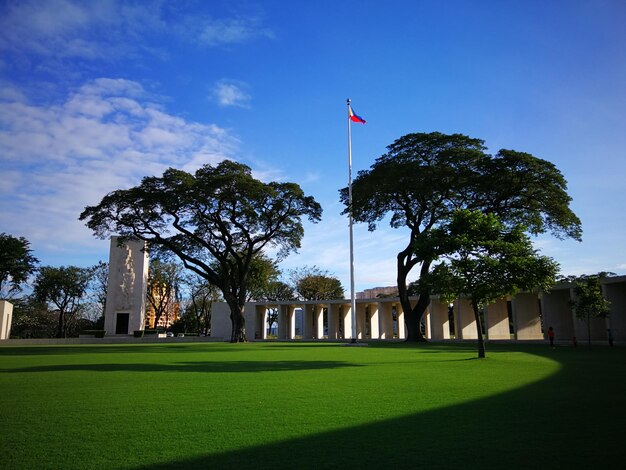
point(96, 333)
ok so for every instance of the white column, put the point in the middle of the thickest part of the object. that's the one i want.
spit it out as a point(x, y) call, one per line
point(438, 320)
point(386, 320)
point(6, 318)
point(360, 320)
point(400, 318)
point(464, 322)
point(333, 321)
point(347, 321)
point(318, 319)
point(527, 322)
point(307, 321)
point(497, 320)
point(374, 326)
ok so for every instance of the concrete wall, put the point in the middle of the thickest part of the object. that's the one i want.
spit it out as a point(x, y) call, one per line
point(127, 284)
point(615, 292)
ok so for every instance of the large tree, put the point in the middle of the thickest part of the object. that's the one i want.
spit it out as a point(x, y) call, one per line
point(483, 261)
point(219, 214)
point(16, 263)
point(64, 289)
point(423, 178)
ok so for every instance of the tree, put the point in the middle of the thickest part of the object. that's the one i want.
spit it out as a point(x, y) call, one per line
point(32, 319)
point(588, 300)
point(16, 264)
point(424, 178)
point(162, 294)
point(484, 261)
point(263, 272)
point(97, 291)
point(219, 214)
point(65, 289)
point(201, 298)
point(313, 283)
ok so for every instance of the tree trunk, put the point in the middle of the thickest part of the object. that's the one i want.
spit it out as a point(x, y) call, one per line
point(238, 322)
point(412, 315)
point(481, 342)
point(60, 328)
point(589, 330)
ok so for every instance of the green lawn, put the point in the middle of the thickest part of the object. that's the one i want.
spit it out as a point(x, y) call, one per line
point(305, 405)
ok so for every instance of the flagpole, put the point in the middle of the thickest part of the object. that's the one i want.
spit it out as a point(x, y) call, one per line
point(352, 294)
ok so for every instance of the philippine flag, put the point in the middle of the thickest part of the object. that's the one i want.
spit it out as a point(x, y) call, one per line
point(354, 117)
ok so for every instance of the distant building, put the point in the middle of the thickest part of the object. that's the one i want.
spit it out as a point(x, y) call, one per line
point(378, 292)
point(165, 301)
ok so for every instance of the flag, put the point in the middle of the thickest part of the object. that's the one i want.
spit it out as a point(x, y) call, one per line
point(354, 117)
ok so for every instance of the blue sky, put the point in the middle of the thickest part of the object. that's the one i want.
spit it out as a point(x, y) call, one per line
point(95, 95)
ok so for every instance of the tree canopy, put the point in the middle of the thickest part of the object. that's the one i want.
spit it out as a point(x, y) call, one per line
point(218, 214)
point(64, 288)
point(16, 263)
point(425, 177)
point(483, 260)
point(313, 283)
point(589, 302)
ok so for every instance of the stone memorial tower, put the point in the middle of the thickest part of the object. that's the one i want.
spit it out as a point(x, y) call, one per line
point(126, 289)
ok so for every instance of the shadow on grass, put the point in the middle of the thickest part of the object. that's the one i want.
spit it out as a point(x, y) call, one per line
point(563, 421)
point(50, 350)
point(202, 367)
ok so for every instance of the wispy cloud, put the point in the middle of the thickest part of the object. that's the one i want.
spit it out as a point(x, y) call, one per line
point(229, 93)
point(216, 32)
point(106, 135)
point(57, 31)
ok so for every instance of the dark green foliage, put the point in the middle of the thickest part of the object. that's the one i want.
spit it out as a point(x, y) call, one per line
point(589, 302)
point(64, 289)
point(16, 263)
point(313, 283)
point(138, 333)
point(424, 178)
point(220, 214)
point(484, 260)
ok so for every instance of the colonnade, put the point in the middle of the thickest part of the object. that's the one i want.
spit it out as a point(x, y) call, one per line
point(525, 316)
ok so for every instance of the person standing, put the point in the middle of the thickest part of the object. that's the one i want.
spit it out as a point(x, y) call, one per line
point(551, 336)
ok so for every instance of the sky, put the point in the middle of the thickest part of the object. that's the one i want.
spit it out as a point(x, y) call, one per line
point(95, 95)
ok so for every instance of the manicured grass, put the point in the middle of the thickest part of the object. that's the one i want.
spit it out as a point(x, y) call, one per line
point(311, 405)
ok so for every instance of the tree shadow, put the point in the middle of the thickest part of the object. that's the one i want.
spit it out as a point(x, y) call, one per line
point(201, 367)
point(548, 422)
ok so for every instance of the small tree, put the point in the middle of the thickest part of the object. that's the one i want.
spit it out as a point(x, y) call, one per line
point(64, 288)
point(588, 300)
point(16, 264)
point(32, 319)
point(313, 283)
point(97, 292)
point(484, 261)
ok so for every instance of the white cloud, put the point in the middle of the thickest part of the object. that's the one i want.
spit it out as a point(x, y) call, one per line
point(231, 93)
point(105, 136)
point(216, 32)
point(57, 30)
